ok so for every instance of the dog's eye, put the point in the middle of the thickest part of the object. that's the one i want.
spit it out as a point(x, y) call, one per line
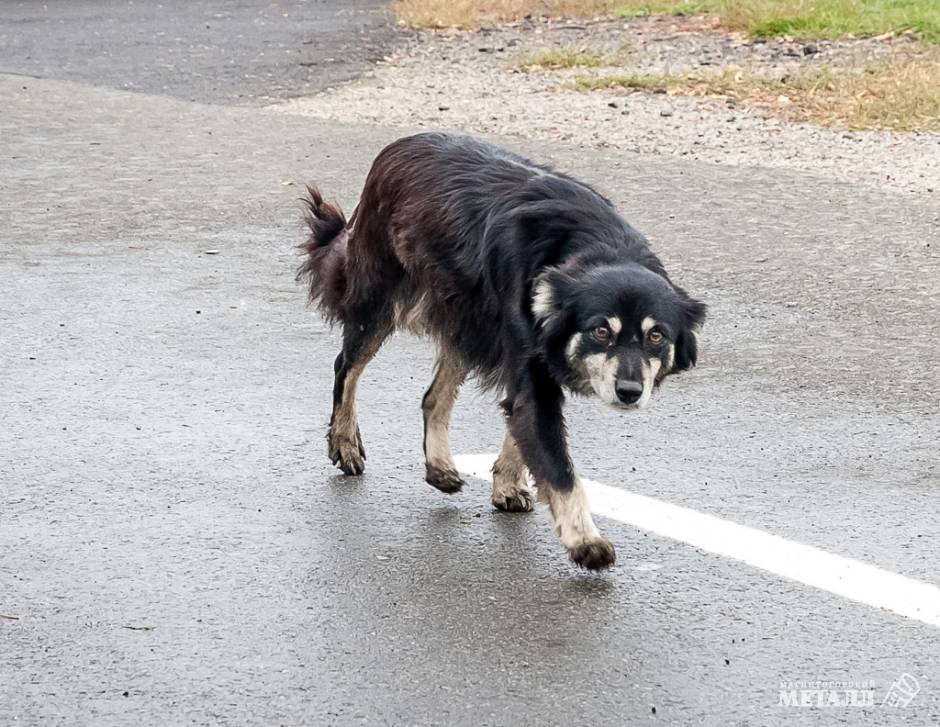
point(655, 336)
point(601, 334)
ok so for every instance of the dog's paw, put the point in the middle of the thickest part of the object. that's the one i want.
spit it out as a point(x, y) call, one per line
point(347, 454)
point(518, 499)
point(594, 554)
point(444, 479)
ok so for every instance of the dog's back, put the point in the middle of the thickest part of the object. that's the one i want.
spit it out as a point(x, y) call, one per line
point(432, 245)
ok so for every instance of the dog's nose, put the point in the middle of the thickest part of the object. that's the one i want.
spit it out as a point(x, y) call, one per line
point(629, 391)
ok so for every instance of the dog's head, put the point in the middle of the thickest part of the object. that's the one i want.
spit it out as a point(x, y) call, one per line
point(615, 331)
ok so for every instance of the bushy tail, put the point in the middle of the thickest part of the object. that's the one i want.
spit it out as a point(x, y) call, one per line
point(323, 269)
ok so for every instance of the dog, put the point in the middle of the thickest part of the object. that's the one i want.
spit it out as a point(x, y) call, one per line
point(525, 278)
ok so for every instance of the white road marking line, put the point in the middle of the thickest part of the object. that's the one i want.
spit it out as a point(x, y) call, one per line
point(842, 576)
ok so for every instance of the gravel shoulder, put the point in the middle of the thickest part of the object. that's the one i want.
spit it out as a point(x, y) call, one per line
point(476, 82)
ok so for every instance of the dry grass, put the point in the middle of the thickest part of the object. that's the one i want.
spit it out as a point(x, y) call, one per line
point(471, 14)
point(902, 94)
point(635, 8)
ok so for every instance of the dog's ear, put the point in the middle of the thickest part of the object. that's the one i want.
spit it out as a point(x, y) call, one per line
point(549, 291)
point(546, 220)
point(686, 350)
point(546, 228)
point(693, 312)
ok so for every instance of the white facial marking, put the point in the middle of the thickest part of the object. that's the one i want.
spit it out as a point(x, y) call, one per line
point(615, 325)
point(646, 324)
point(574, 345)
point(542, 300)
point(649, 378)
point(603, 374)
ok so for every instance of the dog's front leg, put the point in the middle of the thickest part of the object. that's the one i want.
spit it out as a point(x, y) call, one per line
point(534, 406)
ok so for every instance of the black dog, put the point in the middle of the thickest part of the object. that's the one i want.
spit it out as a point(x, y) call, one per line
point(524, 277)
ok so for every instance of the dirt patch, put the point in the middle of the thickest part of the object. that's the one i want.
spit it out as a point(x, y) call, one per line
point(486, 82)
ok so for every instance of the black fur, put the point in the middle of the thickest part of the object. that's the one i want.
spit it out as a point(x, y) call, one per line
point(460, 233)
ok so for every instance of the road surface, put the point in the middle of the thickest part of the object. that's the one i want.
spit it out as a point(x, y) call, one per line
point(175, 547)
point(241, 51)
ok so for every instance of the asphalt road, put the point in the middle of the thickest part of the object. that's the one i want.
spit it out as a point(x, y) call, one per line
point(175, 547)
point(238, 51)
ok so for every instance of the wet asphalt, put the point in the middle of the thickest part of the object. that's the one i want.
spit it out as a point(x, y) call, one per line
point(175, 547)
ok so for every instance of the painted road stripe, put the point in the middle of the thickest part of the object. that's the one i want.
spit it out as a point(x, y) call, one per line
point(834, 573)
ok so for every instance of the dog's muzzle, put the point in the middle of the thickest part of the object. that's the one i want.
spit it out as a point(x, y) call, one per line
point(628, 392)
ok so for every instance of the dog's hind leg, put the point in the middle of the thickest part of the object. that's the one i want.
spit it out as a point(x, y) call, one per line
point(511, 491)
point(360, 343)
point(437, 404)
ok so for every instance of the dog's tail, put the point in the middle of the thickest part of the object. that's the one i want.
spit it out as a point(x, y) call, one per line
point(323, 269)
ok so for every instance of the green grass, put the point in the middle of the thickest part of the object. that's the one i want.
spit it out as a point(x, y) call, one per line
point(804, 19)
point(817, 19)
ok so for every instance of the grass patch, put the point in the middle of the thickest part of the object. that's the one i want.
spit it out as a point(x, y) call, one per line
point(818, 19)
point(802, 19)
point(555, 60)
point(902, 94)
point(634, 82)
point(642, 8)
point(471, 14)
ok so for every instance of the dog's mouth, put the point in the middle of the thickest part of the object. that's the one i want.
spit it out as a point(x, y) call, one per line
point(629, 406)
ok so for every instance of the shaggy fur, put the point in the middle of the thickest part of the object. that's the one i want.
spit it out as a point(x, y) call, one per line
point(526, 278)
